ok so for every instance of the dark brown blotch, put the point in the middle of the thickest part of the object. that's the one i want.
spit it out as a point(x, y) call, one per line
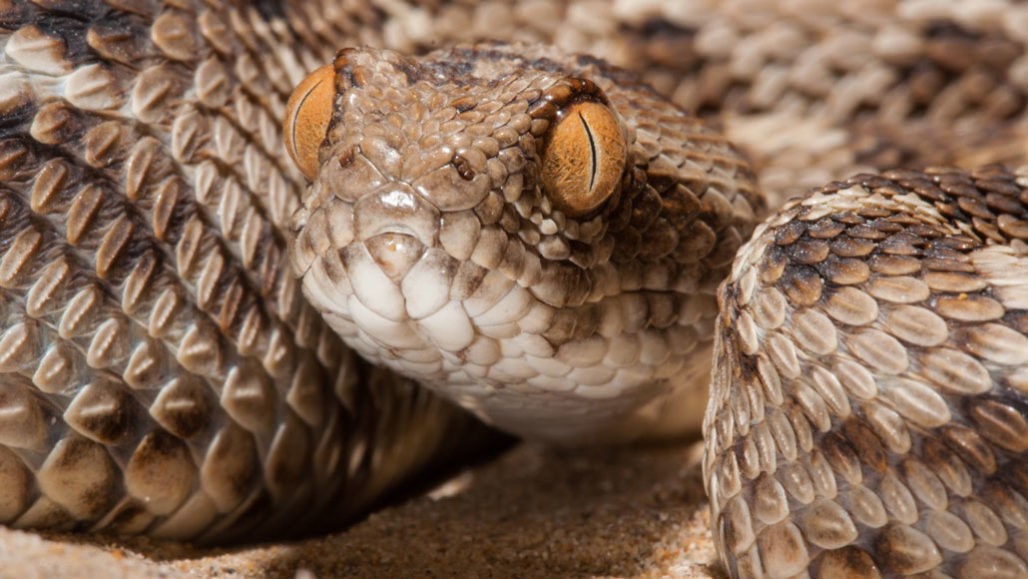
point(773, 265)
point(105, 412)
point(463, 167)
point(894, 264)
point(845, 271)
point(847, 563)
point(802, 285)
point(970, 447)
point(790, 233)
point(184, 407)
point(1001, 423)
point(118, 39)
point(809, 251)
point(825, 228)
point(868, 445)
point(846, 246)
point(57, 123)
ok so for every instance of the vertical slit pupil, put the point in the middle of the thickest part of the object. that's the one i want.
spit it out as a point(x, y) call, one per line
point(592, 151)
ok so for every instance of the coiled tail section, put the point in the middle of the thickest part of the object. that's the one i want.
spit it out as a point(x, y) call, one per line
point(160, 372)
point(869, 407)
point(130, 402)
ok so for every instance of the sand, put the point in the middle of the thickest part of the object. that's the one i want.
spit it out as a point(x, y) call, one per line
point(532, 512)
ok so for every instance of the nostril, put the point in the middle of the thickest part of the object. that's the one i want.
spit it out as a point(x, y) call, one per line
point(395, 253)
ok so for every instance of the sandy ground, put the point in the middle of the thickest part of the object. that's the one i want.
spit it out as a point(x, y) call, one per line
point(533, 512)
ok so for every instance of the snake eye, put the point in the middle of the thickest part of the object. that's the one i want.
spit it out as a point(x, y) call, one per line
point(307, 115)
point(584, 158)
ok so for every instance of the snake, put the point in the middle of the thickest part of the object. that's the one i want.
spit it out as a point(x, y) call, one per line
point(262, 263)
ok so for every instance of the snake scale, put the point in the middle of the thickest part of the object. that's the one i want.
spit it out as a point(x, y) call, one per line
point(202, 340)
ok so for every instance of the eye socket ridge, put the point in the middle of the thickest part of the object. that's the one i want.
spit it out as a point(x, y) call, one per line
point(584, 157)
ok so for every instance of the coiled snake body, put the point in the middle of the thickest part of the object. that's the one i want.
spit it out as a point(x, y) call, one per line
point(540, 238)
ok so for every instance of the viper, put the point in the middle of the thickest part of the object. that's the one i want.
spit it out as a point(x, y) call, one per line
point(261, 264)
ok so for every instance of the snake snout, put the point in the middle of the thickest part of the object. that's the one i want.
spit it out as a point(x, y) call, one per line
point(395, 208)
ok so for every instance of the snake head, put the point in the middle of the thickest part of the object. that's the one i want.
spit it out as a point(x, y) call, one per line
point(513, 227)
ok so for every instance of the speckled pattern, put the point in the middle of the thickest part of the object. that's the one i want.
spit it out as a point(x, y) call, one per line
point(868, 408)
point(162, 372)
